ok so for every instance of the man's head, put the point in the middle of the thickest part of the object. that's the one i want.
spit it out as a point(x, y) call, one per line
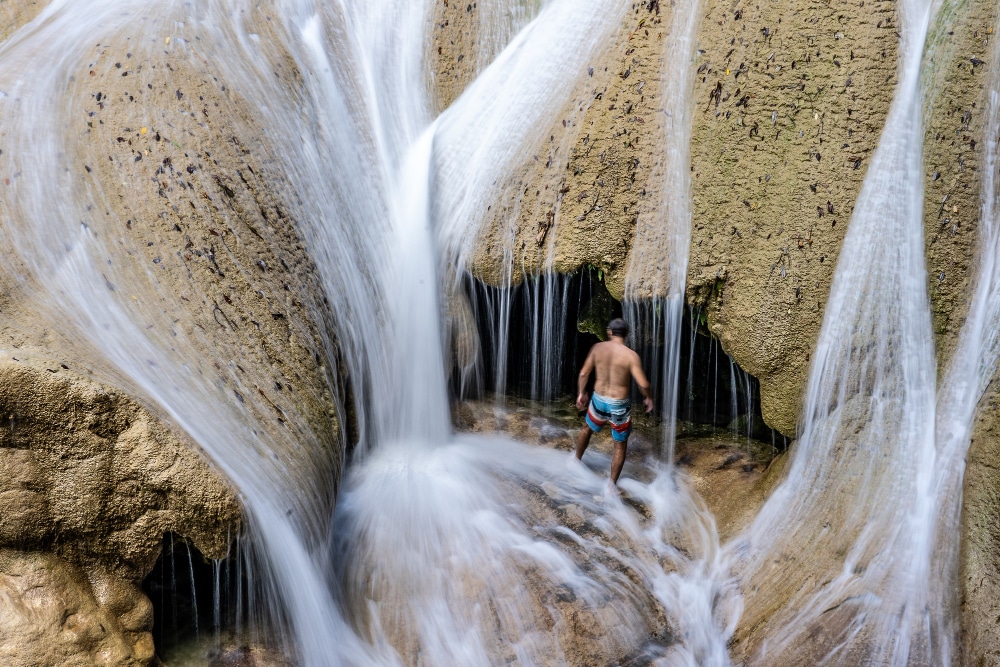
point(618, 327)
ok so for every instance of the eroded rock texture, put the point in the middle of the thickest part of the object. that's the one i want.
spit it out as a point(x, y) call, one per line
point(89, 484)
point(789, 104)
point(796, 93)
point(168, 164)
point(980, 566)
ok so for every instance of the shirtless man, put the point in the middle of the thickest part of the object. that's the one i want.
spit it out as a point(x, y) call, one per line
point(616, 365)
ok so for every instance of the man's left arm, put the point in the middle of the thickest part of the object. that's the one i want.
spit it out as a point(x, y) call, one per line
point(640, 379)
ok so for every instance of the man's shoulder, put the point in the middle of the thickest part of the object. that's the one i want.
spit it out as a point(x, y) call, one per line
point(627, 355)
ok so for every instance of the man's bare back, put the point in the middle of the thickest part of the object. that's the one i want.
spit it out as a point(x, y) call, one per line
point(615, 366)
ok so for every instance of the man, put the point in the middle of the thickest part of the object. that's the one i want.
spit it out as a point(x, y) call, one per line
point(616, 366)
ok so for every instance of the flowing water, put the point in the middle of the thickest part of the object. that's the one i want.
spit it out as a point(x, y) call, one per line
point(463, 549)
point(859, 496)
point(363, 157)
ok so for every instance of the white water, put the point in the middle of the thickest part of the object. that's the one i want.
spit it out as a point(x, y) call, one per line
point(536, 536)
point(657, 273)
point(427, 548)
point(360, 153)
point(971, 369)
point(844, 546)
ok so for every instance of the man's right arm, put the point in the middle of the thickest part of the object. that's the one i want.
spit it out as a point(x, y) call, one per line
point(588, 367)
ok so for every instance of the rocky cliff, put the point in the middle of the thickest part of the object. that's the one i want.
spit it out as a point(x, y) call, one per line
point(788, 106)
point(93, 472)
point(789, 102)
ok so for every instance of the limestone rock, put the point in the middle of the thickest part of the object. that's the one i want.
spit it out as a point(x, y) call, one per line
point(50, 617)
point(789, 103)
point(800, 97)
point(93, 476)
point(178, 176)
point(953, 157)
point(90, 481)
point(787, 117)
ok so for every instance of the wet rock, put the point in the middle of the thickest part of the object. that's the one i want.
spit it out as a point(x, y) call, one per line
point(90, 481)
point(597, 312)
point(90, 475)
point(50, 616)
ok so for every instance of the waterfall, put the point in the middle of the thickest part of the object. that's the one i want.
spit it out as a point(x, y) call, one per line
point(966, 379)
point(452, 548)
point(838, 561)
point(360, 158)
point(74, 260)
point(657, 274)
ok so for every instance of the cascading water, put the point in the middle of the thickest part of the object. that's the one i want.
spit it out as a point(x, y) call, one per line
point(477, 550)
point(416, 571)
point(971, 369)
point(657, 273)
point(369, 173)
point(858, 499)
point(77, 264)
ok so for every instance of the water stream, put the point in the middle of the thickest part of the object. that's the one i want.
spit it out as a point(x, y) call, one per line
point(475, 549)
point(859, 498)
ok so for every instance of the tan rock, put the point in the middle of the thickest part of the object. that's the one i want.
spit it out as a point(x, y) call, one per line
point(92, 474)
point(980, 566)
point(15, 13)
point(809, 82)
point(953, 157)
point(49, 617)
point(787, 117)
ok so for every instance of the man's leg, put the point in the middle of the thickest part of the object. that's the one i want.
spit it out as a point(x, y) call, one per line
point(582, 441)
point(618, 460)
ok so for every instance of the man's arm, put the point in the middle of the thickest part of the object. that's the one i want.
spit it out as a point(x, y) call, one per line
point(640, 379)
point(588, 367)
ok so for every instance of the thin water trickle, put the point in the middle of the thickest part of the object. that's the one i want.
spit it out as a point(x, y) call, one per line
point(194, 592)
point(694, 315)
point(734, 403)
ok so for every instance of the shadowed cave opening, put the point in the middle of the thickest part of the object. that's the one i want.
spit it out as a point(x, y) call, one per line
point(535, 336)
point(205, 611)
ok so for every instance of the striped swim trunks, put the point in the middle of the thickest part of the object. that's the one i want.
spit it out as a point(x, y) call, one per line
point(618, 411)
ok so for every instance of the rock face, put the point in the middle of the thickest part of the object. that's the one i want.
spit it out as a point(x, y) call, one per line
point(799, 95)
point(980, 567)
point(959, 61)
point(15, 13)
point(789, 103)
point(787, 117)
point(90, 482)
point(53, 607)
point(577, 199)
point(168, 165)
